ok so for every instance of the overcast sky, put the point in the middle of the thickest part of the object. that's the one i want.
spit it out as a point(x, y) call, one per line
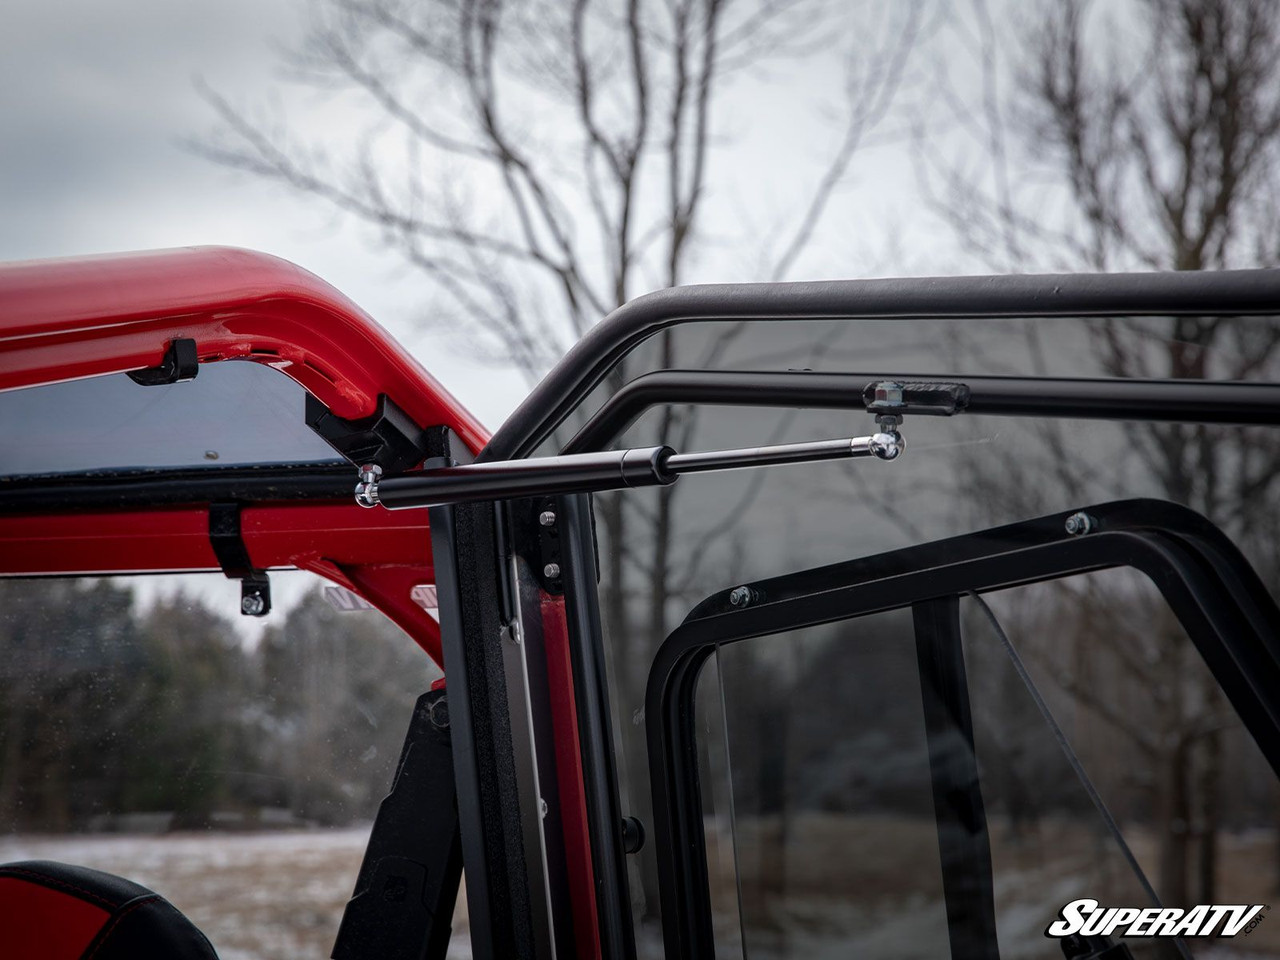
point(96, 100)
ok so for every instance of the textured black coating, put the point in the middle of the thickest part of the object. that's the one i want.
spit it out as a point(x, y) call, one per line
point(1228, 292)
point(537, 477)
point(404, 895)
point(1188, 401)
point(465, 553)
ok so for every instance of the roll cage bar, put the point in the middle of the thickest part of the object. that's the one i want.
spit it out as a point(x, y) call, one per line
point(522, 646)
point(1233, 292)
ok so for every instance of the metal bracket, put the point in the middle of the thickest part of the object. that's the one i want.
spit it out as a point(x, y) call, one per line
point(890, 401)
point(233, 557)
point(926, 398)
point(180, 363)
point(388, 438)
point(548, 569)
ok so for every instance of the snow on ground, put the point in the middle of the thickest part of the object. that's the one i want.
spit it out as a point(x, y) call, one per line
point(258, 896)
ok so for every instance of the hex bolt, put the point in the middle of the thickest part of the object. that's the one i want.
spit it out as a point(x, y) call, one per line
point(1079, 524)
point(547, 518)
point(740, 596)
point(252, 605)
point(542, 808)
point(632, 835)
point(367, 488)
point(438, 713)
point(551, 571)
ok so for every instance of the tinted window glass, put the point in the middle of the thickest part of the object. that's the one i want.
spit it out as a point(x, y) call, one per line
point(1211, 348)
point(232, 765)
point(232, 413)
point(664, 550)
point(836, 846)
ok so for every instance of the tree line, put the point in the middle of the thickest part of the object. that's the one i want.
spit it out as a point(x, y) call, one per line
point(112, 713)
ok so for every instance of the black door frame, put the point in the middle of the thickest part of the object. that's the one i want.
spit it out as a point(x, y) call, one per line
point(1215, 594)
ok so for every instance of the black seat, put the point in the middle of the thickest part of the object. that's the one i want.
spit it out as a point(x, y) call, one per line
point(55, 911)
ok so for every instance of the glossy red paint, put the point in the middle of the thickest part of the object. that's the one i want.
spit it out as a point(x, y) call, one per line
point(176, 539)
point(376, 553)
point(573, 800)
point(66, 319)
point(389, 587)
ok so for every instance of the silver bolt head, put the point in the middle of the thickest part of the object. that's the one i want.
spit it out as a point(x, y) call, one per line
point(252, 605)
point(888, 391)
point(370, 473)
point(438, 714)
point(740, 597)
point(1078, 524)
point(547, 518)
point(542, 807)
point(551, 571)
point(367, 494)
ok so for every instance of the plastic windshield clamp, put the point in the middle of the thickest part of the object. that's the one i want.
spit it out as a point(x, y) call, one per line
point(233, 558)
point(924, 398)
point(388, 437)
point(180, 364)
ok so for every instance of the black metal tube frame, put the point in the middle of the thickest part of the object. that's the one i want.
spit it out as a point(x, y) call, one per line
point(1190, 401)
point(1217, 293)
point(595, 729)
point(964, 842)
point(108, 490)
point(1208, 584)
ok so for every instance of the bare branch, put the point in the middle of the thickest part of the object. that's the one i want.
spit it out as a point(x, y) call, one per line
point(868, 104)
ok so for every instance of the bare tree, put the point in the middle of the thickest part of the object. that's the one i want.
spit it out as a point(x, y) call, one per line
point(1142, 136)
point(542, 162)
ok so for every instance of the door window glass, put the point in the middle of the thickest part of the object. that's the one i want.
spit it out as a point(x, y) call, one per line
point(1110, 767)
point(233, 765)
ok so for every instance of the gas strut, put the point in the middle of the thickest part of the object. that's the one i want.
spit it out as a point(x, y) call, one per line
point(650, 466)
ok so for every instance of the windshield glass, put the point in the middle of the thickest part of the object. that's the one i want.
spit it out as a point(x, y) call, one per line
point(234, 765)
point(1214, 348)
point(231, 414)
point(664, 550)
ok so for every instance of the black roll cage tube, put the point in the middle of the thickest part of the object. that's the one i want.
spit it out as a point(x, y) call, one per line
point(1214, 293)
point(1206, 581)
point(1186, 401)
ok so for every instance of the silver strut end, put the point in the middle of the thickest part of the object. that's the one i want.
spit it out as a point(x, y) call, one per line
point(887, 444)
point(367, 488)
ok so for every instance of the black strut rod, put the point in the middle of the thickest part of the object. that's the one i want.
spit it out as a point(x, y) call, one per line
point(588, 472)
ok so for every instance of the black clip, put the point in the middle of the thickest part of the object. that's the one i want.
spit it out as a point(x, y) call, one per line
point(923, 397)
point(233, 556)
point(180, 364)
point(388, 437)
